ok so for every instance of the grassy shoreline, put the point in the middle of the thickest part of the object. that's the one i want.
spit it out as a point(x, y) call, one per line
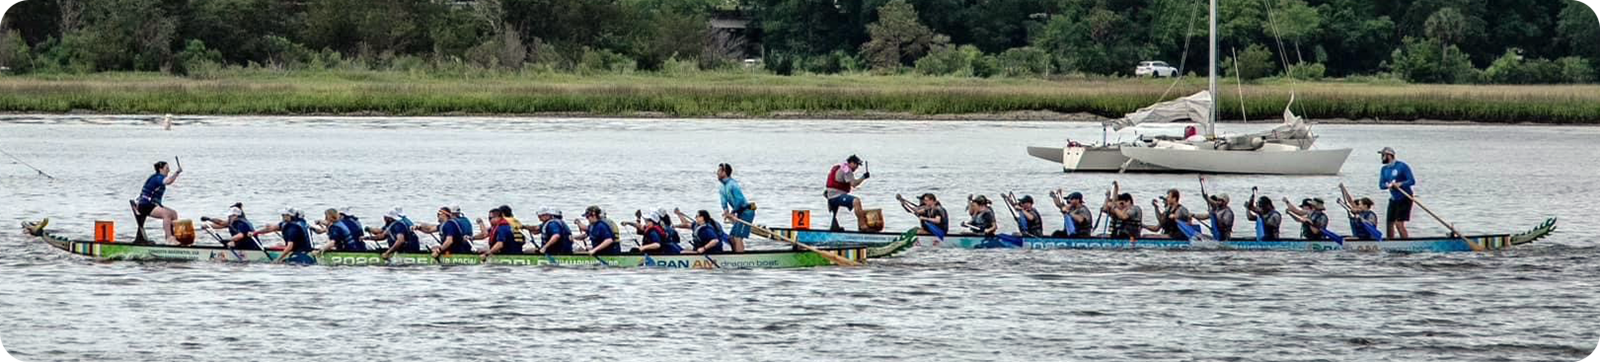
point(750, 95)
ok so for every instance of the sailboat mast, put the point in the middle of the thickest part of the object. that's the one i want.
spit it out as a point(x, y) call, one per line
point(1211, 128)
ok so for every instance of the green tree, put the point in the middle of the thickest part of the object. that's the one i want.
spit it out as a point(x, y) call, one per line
point(1021, 62)
point(1097, 42)
point(1425, 61)
point(1253, 63)
point(1357, 39)
point(237, 28)
point(1448, 27)
point(1576, 70)
point(960, 61)
point(1579, 31)
point(14, 53)
point(1295, 22)
point(898, 38)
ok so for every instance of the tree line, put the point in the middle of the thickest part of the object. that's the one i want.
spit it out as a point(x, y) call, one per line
point(1427, 41)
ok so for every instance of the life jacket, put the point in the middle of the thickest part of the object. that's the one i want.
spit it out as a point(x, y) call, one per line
point(562, 230)
point(616, 244)
point(1034, 229)
point(662, 237)
point(461, 244)
point(250, 242)
point(299, 233)
point(408, 240)
point(154, 188)
point(350, 241)
point(354, 224)
point(1264, 233)
point(833, 181)
point(701, 239)
point(516, 231)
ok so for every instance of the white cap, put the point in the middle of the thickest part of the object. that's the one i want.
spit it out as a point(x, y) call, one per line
point(661, 213)
point(547, 211)
point(395, 214)
point(234, 211)
point(288, 211)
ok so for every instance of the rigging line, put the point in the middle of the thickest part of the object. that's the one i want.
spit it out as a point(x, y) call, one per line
point(1288, 69)
point(25, 163)
point(1188, 34)
point(1238, 80)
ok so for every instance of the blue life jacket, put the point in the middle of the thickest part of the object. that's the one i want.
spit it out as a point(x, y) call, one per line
point(154, 188)
point(344, 239)
point(659, 235)
point(243, 226)
point(402, 231)
point(298, 233)
point(457, 235)
point(551, 229)
point(354, 225)
point(705, 233)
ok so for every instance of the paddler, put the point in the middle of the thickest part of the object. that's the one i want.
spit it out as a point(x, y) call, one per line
point(1175, 213)
point(734, 205)
point(1077, 221)
point(454, 230)
point(983, 221)
point(1397, 178)
point(706, 235)
point(296, 236)
point(1266, 217)
point(599, 231)
point(841, 180)
point(503, 236)
point(653, 235)
point(241, 233)
point(932, 218)
point(149, 203)
point(1363, 221)
point(1311, 217)
point(557, 237)
point(1224, 222)
point(1127, 220)
point(1029, 222)
point(340, 236)
point(398, 231)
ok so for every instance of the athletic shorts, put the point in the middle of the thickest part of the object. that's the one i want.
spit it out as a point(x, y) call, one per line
point(844, 201)
point(740, 230)
point(145, 208)
point(1399, 210)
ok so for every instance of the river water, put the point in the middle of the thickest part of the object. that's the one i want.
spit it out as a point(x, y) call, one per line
point(1536, 303)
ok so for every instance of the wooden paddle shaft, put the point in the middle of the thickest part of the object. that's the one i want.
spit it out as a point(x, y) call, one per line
point(775, 236)
point(1447, 225)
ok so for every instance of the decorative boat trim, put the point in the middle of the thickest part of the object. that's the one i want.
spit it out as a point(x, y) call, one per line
point(748, 260)
point(1428, 244)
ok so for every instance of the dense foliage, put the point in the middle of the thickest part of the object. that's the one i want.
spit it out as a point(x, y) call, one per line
point(1432, 41)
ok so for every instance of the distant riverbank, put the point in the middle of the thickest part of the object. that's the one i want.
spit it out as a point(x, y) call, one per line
point(755, 95)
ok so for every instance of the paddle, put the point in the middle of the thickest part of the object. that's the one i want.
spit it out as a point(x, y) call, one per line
point(835, 258)
point(225, 244)
point(1372, 229)
point(937, 232)
point(440, 243)
point(1261, 219)
point(1210, 211)
point(722, 238)
point(1470, 244)
point(35, 169)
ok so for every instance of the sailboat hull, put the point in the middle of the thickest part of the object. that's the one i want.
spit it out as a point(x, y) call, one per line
point(1302, 162)
point(1093, 159)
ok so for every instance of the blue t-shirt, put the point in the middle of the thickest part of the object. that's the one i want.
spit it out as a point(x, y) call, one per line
point(400, 231)
point(1397, 172)
point(601, 231)
point(658, 235)
point(705, 233)
point(154, 188)
point(502, 234)
point(298, 233)
point(343, 239)
point(242, 226)
point(452, 230)
point(553, 228)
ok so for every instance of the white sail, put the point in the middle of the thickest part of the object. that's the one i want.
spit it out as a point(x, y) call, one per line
point(1196, 107)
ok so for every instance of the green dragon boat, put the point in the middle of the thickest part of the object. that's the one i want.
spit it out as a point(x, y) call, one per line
point(767, 259)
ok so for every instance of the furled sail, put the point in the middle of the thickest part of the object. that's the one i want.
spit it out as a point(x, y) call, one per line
point(1196, 107)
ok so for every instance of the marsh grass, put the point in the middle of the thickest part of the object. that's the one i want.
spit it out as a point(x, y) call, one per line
point(743, 94)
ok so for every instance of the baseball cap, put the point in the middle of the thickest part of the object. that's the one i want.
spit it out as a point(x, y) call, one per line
point(1387, 151)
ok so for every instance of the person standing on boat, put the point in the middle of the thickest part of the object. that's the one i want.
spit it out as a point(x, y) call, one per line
point(149, 203)
point(504, 238)
point(1175, 219)
point(399, 232)
point(983, 222)
point(1313, 220)
point(296, 236)
point(557, 237)
point(706, 236)
point(1077, 221)
point(841, 180)
point(1029, 222)
point(340, 238)
point(1127, 220)
point(1266, 217)
point(599, 231)
point(734, 205)
point(1397, 178)
point(241, 233)
point(1223, 225)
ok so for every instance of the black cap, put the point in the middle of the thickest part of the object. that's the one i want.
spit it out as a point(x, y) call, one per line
point(505, 210)
point(1075, 196)
point(853, 159)
point(1026, 199)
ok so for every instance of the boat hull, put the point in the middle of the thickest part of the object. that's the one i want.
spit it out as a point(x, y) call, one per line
point(1094, 159)
point(169, 253)
point(1301, 162)
point(877, 247)
point(1439, 244)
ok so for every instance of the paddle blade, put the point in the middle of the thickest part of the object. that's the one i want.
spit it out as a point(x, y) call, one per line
point(937, 232)
point(1333, 236)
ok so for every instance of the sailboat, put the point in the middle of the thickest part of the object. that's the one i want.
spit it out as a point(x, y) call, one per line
point(1282, 150)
